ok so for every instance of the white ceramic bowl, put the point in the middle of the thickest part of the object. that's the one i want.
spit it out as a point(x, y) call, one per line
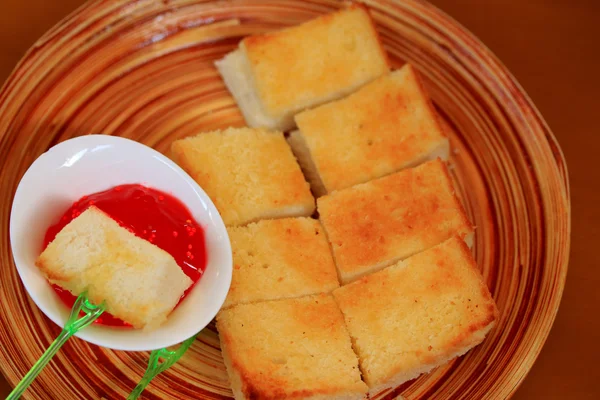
point(93, 163)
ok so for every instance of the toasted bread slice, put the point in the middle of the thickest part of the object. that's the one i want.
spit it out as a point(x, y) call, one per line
point(274, 75)
point(250, 174)
point(140, 283)
point(418, 314)
point(277, 259)
point(375, 224)
point(387, 125)
point(289, 349)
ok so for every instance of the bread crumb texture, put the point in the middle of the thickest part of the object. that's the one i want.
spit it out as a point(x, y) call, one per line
point(317, 61)
point(387, 125)
point(282, 258)
point(375, 224)
point(417, 314)
point(250, 174)
point(292, 349)
point(140, 283)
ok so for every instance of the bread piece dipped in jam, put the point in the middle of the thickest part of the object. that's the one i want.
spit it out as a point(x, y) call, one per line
point(140, 283)
point(385, 126)
point(417, 314)
point(289, 349)
point(277, 74)
point(375, 224)
point(250, 174)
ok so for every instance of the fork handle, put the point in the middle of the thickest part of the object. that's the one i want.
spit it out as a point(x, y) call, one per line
point(150, 373)
point(39, 365)
point(73, 325)
point(155, 366)
point(141, 386)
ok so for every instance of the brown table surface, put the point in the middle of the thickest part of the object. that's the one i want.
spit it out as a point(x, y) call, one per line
point(553, 48)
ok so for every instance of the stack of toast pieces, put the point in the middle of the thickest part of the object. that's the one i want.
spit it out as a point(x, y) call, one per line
point(381, 286)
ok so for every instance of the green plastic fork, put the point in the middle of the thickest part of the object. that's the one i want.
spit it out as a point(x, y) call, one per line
point(73, 325)
point(155, 366)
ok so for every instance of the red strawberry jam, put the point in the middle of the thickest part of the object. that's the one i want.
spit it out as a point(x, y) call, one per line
point(150, 214)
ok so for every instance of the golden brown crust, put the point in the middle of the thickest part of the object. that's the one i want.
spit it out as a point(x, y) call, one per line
point(380, 222)
point(387, 125)
point(382, 50)
point(276, 259)
point(444, 309)
point(250, 174)
point(344, 43)
point(293, 349)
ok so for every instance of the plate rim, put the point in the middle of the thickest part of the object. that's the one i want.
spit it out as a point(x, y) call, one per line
point(530, 112)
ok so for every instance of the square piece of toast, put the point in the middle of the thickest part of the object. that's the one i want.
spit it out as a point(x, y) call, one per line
point(274, 75)
point(375, 224)
point(140, 282)
point(289, 349)
point(249, 174)
point(385, 126)
point(280, 258)
point(418, 314)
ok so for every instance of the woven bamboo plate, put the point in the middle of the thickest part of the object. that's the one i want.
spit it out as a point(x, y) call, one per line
point(144, 70)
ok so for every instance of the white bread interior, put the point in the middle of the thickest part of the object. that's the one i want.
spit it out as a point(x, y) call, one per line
point(235, 71)
point(140, 283)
